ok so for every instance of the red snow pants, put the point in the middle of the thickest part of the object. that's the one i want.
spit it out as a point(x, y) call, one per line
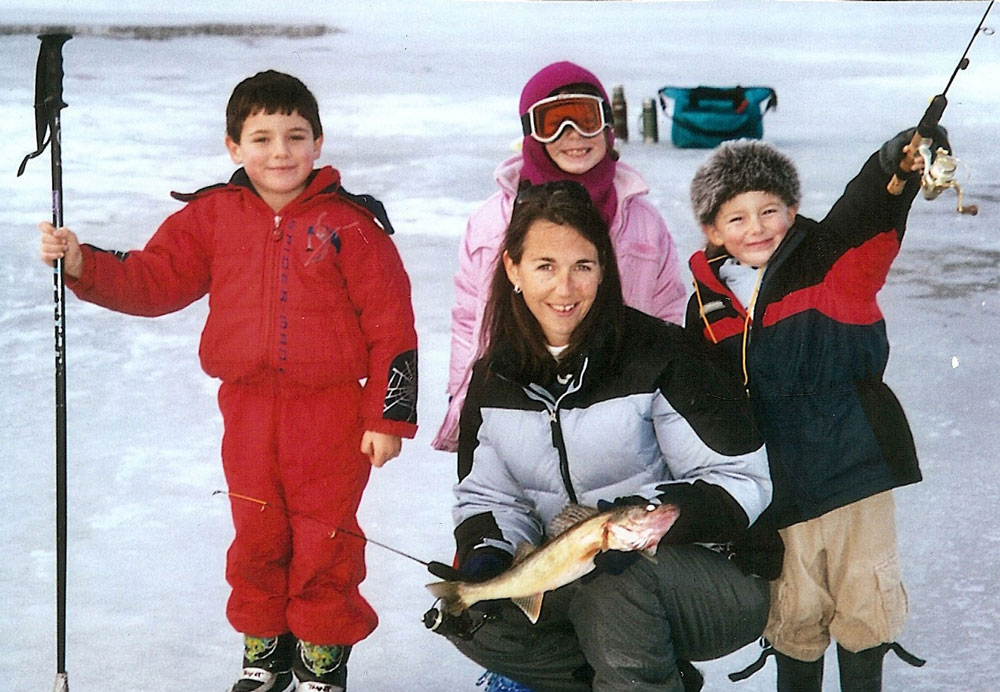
point(289, 567)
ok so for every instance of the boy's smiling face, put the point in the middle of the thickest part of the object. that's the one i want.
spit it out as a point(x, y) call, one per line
point(277, 150)
point(751, 225)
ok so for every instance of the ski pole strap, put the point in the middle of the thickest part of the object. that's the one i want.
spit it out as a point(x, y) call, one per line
point(756, 665)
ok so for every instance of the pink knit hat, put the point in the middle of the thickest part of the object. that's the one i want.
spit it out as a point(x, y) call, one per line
point(538, 167)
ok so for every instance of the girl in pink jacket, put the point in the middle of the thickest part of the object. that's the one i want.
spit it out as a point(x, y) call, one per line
point(566, 118)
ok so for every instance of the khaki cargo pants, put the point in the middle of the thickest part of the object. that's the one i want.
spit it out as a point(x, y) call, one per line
point(840, 579)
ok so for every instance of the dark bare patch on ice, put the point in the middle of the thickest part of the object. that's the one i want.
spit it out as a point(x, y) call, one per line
point(171, 31)
point(952, 272)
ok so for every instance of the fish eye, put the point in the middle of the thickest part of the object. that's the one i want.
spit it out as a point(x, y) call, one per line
point(650, 507)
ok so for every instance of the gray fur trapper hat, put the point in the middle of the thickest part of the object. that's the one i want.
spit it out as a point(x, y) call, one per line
point(743, 165)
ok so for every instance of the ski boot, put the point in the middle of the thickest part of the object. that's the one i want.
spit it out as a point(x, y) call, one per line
point(267, 664)
point(320, 668)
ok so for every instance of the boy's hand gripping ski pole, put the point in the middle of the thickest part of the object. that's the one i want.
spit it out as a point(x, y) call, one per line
point(939, 167)
point(48, 104)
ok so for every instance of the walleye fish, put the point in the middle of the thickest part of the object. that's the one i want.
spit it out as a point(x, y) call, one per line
point(564, 558)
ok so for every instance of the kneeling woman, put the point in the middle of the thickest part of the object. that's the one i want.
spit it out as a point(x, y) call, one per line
point(580, 399)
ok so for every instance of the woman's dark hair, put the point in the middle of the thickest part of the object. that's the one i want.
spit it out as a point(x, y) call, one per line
point(509, 324)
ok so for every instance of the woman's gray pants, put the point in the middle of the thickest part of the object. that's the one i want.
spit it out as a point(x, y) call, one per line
point(610, 633)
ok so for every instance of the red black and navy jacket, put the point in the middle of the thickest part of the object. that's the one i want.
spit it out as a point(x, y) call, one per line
point(813, 355)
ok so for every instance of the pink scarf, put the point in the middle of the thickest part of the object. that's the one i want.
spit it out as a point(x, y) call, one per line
point(539, 168)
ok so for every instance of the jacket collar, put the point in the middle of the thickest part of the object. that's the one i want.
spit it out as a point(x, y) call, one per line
point(593, 358)
point(325, 180)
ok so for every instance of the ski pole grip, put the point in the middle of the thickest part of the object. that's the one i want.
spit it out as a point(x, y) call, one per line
point(49, 75)
point(48, 90)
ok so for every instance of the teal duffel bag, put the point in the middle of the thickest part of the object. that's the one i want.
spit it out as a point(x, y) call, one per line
point(702, 117)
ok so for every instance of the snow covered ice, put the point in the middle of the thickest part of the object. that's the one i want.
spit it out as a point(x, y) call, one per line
point(419, 105)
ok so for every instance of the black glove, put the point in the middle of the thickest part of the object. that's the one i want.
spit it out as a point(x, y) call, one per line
point(485, 563)
point(617, 561)
point(891, 153)
point(481, 565)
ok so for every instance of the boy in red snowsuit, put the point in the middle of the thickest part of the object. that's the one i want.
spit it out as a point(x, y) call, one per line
point(308, 298)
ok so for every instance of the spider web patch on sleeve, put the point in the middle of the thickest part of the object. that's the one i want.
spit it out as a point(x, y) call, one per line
point(401, 393)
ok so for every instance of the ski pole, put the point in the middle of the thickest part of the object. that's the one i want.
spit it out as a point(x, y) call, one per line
point(48, 104)
point(930, 119)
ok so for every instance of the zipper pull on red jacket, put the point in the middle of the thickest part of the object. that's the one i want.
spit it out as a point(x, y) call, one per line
point(276, 233)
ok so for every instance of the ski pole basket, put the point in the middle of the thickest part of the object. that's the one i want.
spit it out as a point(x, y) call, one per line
point(703, 117)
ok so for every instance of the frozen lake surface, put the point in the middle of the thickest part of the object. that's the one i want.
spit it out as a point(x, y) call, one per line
point(419, 105)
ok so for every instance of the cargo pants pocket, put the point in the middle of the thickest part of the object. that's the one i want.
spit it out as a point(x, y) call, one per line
point(893, 602)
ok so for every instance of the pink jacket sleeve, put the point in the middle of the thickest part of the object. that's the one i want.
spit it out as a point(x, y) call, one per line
point(476, 263)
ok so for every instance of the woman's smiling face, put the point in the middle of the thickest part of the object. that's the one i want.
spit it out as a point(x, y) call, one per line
point(558, 275)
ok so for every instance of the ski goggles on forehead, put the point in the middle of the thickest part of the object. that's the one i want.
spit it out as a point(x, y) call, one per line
point(546, 119)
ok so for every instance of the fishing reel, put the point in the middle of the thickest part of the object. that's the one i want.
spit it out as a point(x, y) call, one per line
point(463, 625)
point(939, 175)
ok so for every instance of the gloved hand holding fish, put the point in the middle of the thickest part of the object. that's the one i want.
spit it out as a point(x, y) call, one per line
point(578, 534)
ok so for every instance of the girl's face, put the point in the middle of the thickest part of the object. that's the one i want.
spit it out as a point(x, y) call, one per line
point(576, 154)
point(558, 275)
point(751, 225)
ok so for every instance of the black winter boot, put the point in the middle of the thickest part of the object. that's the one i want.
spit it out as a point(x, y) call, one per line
point(321, 668)
point(861, 671)
point(267, 664)
point(799, 676)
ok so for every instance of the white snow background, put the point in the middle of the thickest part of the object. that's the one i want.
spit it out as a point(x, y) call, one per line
point(419, 104)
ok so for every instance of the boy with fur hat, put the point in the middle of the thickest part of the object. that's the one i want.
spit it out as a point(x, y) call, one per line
point(790, 304)
point(307, 297)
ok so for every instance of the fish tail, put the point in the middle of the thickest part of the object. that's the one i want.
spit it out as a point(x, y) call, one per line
point(450, 595)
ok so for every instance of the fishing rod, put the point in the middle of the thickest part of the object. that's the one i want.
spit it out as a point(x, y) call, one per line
point(431, 565)
point(939, 166)
point(48, 104)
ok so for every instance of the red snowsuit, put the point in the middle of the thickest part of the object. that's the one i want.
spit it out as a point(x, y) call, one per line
point(303, 305)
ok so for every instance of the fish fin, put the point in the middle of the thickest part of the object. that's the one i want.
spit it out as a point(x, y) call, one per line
point(571, 515)
point(523, 550)
point(531, 606)
point(449, 593)
point(650, 554)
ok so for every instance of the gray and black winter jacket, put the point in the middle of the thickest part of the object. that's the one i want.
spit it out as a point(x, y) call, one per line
point(651, 419)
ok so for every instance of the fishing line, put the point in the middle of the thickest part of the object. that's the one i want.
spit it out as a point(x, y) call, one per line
point(963, 62)
point(331, 532)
